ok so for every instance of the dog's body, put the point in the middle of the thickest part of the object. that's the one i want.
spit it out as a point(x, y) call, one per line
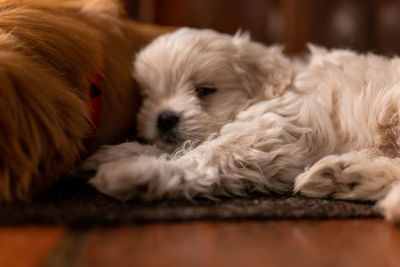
point(50, 51)
point(214, 100)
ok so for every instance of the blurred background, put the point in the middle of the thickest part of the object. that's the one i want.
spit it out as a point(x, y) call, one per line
point(364, 25)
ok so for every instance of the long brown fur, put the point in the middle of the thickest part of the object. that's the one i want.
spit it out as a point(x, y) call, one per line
point(48, 53)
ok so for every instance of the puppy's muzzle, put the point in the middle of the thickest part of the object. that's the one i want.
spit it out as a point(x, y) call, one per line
point(167, 121)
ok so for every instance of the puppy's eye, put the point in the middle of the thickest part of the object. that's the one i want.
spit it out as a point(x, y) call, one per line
point(202, 91)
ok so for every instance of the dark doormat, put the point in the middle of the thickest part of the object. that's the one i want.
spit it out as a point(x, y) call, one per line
point(72, 202)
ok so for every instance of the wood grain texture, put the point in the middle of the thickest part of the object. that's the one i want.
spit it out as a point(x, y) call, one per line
point(386, 27)
point(261, 18)
point(27, 246)
point(363, 25)
point(253, 243)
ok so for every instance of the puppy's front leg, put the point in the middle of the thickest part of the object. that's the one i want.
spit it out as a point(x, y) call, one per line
point(143, 177)
point(107, 154)
point(245, 156)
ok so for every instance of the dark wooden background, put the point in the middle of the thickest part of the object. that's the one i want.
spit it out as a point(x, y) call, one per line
point(364, 25)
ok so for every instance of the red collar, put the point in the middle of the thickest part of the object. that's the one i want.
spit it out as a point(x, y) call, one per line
point(96, 88)
point(95, 92)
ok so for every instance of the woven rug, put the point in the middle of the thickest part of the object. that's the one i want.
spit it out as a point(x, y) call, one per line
point(72, 202)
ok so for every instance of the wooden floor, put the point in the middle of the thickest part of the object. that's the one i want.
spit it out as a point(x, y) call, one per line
point(250, 243)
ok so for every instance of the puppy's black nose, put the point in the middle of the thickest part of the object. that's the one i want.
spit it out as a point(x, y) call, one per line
point(167, 120)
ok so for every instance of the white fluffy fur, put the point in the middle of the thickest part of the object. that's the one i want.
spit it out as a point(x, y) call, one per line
point(328, 126)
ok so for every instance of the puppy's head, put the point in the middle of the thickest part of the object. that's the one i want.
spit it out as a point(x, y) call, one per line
point(195, 81)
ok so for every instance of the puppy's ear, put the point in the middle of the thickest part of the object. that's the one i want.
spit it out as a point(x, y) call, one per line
point(265, 71)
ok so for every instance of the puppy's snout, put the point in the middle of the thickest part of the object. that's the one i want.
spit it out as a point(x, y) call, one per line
point(167, 120)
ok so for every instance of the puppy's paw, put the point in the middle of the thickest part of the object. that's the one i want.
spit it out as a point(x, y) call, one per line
point(108, 154)
point(343, 177)
point(390, 205)
point(146, 178)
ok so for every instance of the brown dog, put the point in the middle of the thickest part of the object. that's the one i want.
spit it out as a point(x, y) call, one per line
point(53, 56)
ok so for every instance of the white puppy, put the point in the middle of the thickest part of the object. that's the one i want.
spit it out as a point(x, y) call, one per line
point(236, 116)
